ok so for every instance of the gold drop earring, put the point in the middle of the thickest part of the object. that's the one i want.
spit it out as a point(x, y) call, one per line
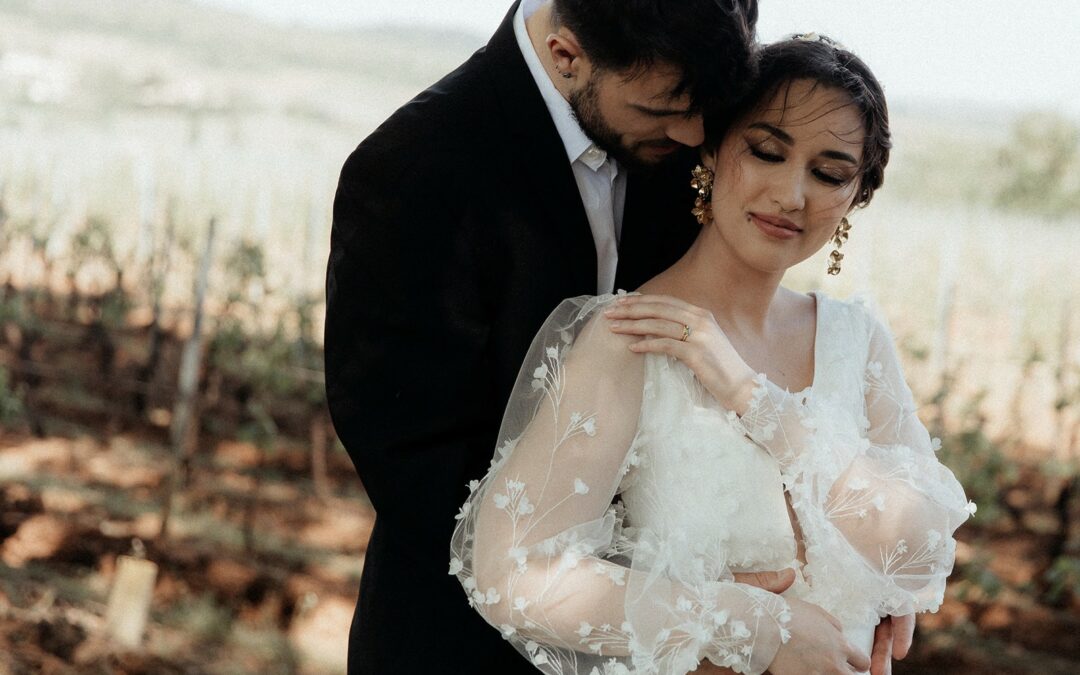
point(838, 239)
point(702, 182)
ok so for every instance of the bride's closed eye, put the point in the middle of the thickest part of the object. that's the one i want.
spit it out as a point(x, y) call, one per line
point(827, 177)
point(760, 151)
point(831, 179)
point(764, 155)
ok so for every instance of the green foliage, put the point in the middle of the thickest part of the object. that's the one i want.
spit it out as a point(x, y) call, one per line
point(1041, 167)
point(15, 308)
point(11, 405)
point(264, 362)
point(93, 242)
point(1063, 579)
point(202, 617)
point(244, 265)
point(260, 429)
point(979, 463)
point(115, 306)
point(977, 582)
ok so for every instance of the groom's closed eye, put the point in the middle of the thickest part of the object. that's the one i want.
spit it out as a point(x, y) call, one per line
point(663, 112)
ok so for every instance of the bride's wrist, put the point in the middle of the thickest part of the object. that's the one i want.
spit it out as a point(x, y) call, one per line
point(743, 392)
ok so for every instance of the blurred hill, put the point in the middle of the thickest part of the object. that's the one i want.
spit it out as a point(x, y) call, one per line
point(92, 59)
point(251, 120)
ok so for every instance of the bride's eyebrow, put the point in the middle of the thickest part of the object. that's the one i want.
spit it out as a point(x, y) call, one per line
point(786, 139)
point(781, 135)
point(841, 156)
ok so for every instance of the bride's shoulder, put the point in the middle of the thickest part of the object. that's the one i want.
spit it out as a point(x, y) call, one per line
point(855, 316)
point(582, 327)
point(860, 306)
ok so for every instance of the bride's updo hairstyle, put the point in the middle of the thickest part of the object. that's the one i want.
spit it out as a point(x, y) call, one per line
point(823, 61)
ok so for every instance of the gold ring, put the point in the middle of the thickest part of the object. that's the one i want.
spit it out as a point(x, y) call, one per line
point(685, 333)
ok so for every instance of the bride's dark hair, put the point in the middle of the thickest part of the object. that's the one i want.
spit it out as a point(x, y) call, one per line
point(823, 61)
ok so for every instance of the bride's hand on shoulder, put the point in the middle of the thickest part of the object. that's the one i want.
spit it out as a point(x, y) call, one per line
point(817, 645)
point(690, 334)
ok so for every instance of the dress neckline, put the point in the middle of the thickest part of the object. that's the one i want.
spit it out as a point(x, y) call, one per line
point(815, 352)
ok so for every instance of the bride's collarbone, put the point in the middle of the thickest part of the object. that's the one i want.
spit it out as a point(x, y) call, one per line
point(788, 362)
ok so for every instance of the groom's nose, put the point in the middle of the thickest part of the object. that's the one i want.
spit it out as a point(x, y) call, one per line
point(687, 130)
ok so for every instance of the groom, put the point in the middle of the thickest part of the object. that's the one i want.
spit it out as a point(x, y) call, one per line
point(553, 163)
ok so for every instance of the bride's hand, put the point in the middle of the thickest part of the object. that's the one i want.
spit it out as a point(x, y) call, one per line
point(690, 334)
point(817, 645)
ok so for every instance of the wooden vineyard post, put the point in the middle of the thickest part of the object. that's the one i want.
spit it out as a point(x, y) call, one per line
point(129, 600)
point(189, 380)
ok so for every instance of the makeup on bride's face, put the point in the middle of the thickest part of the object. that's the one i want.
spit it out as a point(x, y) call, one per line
point(786, 174)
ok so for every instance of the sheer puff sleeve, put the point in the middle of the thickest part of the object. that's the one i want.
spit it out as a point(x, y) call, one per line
point(877, 509)
point(539, 547)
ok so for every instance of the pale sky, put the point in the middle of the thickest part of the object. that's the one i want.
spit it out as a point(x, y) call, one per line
point(995, 52)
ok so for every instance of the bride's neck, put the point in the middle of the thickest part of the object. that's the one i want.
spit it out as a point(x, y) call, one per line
point(710, 276)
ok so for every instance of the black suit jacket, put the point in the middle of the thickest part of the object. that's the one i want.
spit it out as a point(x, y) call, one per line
point(458, 227)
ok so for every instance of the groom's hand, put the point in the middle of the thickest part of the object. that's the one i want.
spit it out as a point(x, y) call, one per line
point(773, 582)
point(707, 667)
point(892, 638)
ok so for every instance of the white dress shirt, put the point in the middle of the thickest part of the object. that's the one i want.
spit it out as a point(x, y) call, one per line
point(601, 185)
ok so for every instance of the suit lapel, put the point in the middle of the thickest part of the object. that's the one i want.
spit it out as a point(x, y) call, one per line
point(536, 167)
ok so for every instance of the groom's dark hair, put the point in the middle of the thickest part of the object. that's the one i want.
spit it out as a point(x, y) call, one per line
point(711, 42)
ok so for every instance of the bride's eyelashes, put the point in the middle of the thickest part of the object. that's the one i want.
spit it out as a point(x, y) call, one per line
point(764, 156)
point(835, 180)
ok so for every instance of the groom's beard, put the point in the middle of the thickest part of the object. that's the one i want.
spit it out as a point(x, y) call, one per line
point(585, 103)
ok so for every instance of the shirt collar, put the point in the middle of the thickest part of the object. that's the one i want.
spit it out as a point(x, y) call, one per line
point(577, 144)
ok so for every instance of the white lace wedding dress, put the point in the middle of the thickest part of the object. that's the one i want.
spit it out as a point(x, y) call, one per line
point(582, 582)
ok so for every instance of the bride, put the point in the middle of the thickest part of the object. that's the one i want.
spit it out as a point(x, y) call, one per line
point(716, 423)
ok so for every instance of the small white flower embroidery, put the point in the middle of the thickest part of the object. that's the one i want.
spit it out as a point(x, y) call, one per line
point(858, 484)
point(519, 554)
point(580, 487)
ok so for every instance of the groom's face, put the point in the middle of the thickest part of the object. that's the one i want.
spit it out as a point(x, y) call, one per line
point(635, 119)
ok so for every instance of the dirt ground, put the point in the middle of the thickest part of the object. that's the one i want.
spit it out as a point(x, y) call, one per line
point(279, 599)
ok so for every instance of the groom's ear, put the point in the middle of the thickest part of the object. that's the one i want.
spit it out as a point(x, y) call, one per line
point(566, 51)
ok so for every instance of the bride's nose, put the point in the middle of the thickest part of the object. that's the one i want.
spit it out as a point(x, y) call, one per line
point(788, 191)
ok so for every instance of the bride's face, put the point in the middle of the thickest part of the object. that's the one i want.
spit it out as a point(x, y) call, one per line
point(786, 174)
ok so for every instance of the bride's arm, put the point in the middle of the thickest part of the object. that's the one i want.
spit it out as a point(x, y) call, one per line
point(869, 493)
point(881, 488)
point(533, 536)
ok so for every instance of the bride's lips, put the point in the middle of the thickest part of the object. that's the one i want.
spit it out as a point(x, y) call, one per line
point(775, 226)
